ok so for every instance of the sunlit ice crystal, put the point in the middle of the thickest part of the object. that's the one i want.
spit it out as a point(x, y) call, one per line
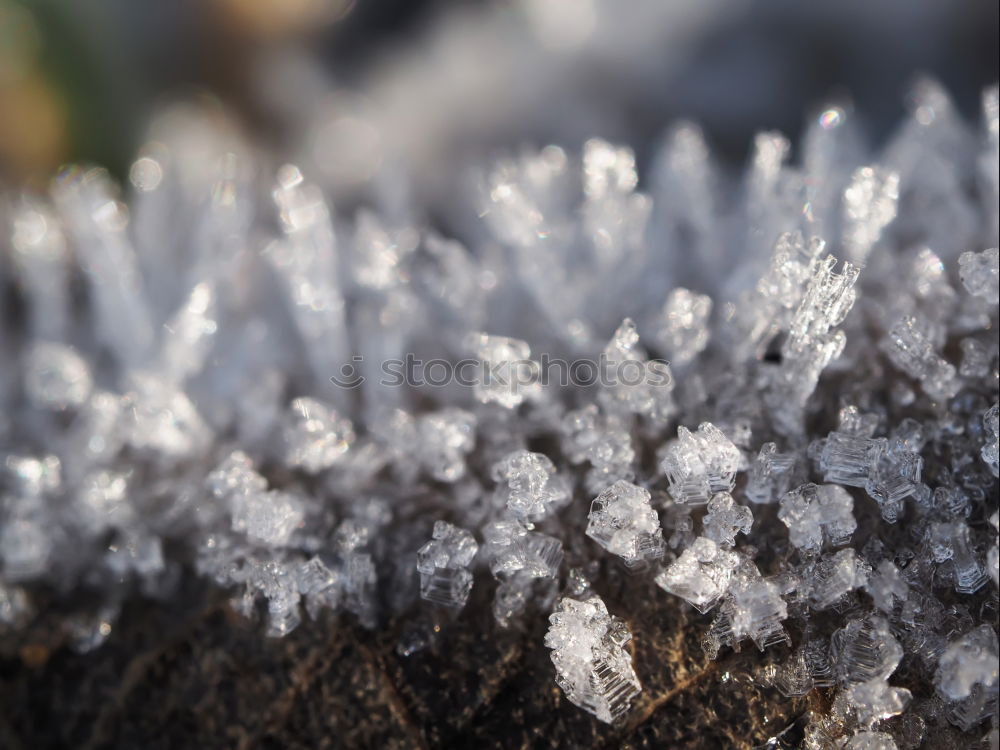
point(512, 549)
point(887, 587)
point(949, 542)
point(592, 666)
point(443, 563)
point(682, 330)
point(508, 375)
point(725, 519)
point(699, 464)
point(866, 740)
point(829, 579)
point(624, 523)
point(635, 385)
point(605, 442)
point(701, 575)
point(161, 421)
point(869, 206)
point(530, 487)
point(445, 438)
point(910, 347)
point(863, 650)
point(991, 446)
point(969, 660)
point(56, 376)
point(896, 476)
point(315, 435)
point(980, 274)
point(771, 474)
point(815, 514)
point(756, 610)
point(850, 459)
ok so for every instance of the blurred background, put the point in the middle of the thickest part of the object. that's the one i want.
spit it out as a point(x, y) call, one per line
point(355, 86)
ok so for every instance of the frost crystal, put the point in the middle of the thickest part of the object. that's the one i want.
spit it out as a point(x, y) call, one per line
point(968, 661)
point(592, 666)
point(700, 575)
point(315, 435)
point(682, 325)
point(980, 274)
point(725, 520)
point(530, 488)
point(444, 563)
point(509, 375)
point(623, 522)
point(636, 386)
point(700, 464)
point(815, 514)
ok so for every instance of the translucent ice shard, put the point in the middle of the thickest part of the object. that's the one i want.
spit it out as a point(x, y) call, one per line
point(592, 667)
point(512, 550)
point(624, 523)
point(701, 575)
point(700, 464)
point(865, 650)
point(633, 384)
point(306, 262)
point(530, 487)
point(865, 740)
point(887, 587)
point(445, 438)
point(815, 514)
point(603, 441)
point(850, 459)
point(682, 325)
point(444, 562)
point(949, 541)
point(756, 610)
point(969, 660)
point(833, 577)
point(910, 346)
point(869, 206)
point(98, 223)
point(316, 436)
point(991, 445)
point(771, 475)
point(508, 375)
point(56, 377)
point(980, 274)
point(725, 519)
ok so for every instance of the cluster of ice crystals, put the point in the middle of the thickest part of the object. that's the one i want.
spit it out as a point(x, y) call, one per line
point(444, 562)
point(624, 523)
point(700, 464)
point(815, 514)
point(592, 666)
point(529, 486)
point(184, 410)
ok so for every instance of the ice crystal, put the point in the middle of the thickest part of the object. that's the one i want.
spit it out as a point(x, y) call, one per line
point(622, 521)
point(700, 464)
point(592, 666)
point(444, 563)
